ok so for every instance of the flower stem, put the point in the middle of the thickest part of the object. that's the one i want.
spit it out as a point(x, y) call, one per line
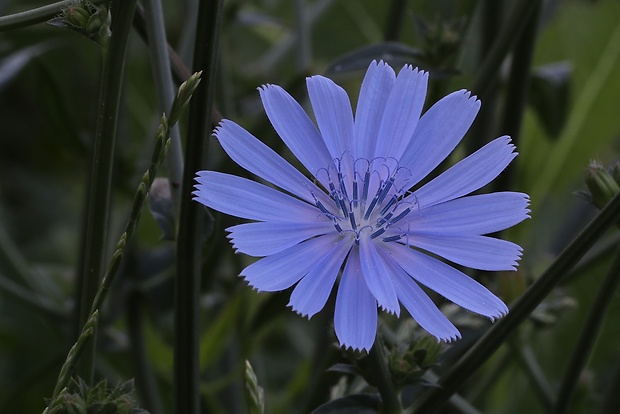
point(534, 372)
point(610, 399)
point(160, 60)
point(519, 17)
point(588, 336)
point(191, 219)
point(383, 379)
point(35, 16)
point(454, 378)
point(516, 95)
point(394, 21)
point(97, 209)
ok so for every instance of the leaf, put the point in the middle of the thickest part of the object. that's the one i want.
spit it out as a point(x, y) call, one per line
point(395, 53)
point(353, 404)
point(11, 65)
point(549, 93)
point(344, 369)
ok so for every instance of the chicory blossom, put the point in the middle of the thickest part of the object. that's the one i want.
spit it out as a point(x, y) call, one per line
point(364, 212)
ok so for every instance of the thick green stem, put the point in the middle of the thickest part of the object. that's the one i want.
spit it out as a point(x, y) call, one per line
point(394, 21)
point(97, 210)
point(588, 336)
point(191, 219)
point(384, 382)
point(454, 378)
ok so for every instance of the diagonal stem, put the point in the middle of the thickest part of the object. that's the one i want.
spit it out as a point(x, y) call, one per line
point(588, 336)
point(454, 378)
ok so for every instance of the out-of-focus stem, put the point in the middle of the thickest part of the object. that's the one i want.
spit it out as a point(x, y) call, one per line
point(191, 219)
point(160, 59)
point(98, 204)
point(587, 337)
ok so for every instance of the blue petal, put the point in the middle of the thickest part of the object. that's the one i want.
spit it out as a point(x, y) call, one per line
point(421, 307)
point(265, 238)
point(259, 159)
point(470, 174)
point(478, 252)
point(332, 110)
point(447, 281)
point(438, 132)
point(311, 293)
point(247, 199)
point(355, 317)
point(402, 112)
point(295, 128)
point(375, 273)
point(374, 93)
point(478, 214)
point(282, 270)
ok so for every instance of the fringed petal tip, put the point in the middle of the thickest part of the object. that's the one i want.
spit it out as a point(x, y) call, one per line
point(448, 339)
point(395, 311)
point(356, 348)
point(220, 127)
point(502, 312)
point(415, 70)
point(470, 97)
point(299, 312)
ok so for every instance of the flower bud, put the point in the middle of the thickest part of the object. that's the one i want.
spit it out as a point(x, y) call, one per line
point(86, 18)
point(602, 183)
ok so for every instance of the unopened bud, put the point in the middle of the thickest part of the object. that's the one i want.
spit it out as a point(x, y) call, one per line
point(603, 184)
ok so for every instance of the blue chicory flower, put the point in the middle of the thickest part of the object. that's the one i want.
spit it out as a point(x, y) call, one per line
point(363, 213)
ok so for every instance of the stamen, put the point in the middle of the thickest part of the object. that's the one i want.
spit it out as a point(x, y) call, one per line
point(352, 220)
point(392, 238)
point(386, 188)
point(384, 219)
point(377, 233)
point(355, 190)
point(400, 216)
point(366, 185)
point(389, 204)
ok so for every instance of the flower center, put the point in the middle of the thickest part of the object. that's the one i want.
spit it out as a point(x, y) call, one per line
point(369, 196)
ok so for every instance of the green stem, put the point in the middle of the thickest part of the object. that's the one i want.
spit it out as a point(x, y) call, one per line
point(454, 378)
point(532, 369)
point(304, 50)
point(503, 44)
point(159, 152)
point(191, 219)
point(145, 377)
point(35, 16)
point(588, 336)
point(97, 210)
point(160, 62)
point(383, 379)
point(456, 402)
point(610, 400)
point(491, 23)
point(394, 20)
point(516, 95)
